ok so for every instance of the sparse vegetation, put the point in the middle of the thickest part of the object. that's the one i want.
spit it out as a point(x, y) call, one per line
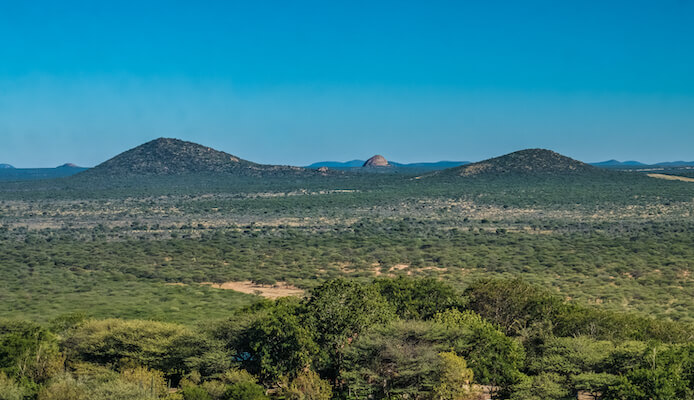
point(539, 285)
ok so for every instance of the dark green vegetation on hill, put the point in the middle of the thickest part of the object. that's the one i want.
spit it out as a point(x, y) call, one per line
point(166, 156)
point(524, 162)
point(141, 237)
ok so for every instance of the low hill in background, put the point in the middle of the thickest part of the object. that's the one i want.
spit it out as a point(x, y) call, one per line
point(421, 166)
point(616, 163)
point(9, 173)
point(523, 162)
point(165, 157)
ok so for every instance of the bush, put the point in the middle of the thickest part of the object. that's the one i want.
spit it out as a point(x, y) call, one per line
point(245, 391)
point(195, 393)
point(64, 387)
point(308, 386)
point(9, 389)
point(546, 386)
point(129, 343)
point(151, 380)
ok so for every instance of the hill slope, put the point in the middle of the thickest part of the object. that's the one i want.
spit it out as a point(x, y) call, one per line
point(165, 156)
point(523, 162)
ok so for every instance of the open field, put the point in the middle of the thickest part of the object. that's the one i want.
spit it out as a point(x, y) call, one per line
point(672, 177)
point(522, 282)
point(622, 242)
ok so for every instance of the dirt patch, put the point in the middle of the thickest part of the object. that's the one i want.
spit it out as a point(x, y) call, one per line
point(281, 289)
point(437, 269)
point(398, 267)
point(671, 177)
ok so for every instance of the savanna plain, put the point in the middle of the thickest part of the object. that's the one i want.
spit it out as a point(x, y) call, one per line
point(528, 276)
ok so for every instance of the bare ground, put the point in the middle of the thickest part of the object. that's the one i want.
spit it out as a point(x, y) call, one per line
point(672, 177)
point(281, 289)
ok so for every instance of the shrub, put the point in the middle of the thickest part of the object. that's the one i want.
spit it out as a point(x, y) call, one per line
point(10, 390)
point(308, 386)
point(245, 391)
point(195, 393)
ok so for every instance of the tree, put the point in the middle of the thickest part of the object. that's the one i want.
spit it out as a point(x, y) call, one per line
point(163, 346)
point(308, 386)
point(340, 311)
point(418, 298)
point(594, 383)
point(513, 304)
point(455, 378)
point(408, 359)
point(571, 355)
point(545, 386)
point(494, 357)
point(29, 351)
point(278, 343)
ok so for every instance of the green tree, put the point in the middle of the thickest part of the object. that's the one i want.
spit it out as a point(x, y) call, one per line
point(308, 386)
point(278, 343)
point(29, 351)
point(340, 311)
point(418, 298)
point(495, 358)
point(402, 359)
point(545, 386)
point(594, 383)
point(455, 379)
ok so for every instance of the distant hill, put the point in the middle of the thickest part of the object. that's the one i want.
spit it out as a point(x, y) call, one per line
point(6, 166)
point(165, 156)
point(431, 165)
point(376, 161)
point(615, 163)
point(338, 164)
point(423, 166)
point(676, 164)
point(28, 174)
point(523, 162)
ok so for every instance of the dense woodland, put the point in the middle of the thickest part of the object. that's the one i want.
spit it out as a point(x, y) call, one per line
point(390, 338)
point(431, 286)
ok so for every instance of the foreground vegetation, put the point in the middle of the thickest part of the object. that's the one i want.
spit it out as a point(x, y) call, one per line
point(114, 272)
point(392, 338)
point(106, 289)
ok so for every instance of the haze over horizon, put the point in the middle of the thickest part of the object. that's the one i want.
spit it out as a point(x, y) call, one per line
point(299, 83)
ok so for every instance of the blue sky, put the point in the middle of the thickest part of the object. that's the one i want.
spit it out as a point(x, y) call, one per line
point(294, 82)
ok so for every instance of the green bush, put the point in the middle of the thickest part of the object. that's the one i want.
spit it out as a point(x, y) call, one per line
point(10, 390)
point(195, 393)
point(245, 391)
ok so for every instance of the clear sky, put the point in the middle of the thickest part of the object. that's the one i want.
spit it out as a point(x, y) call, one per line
point(293, 82)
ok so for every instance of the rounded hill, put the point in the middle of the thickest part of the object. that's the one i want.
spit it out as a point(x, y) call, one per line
point(524, 162)
point(166, 156)
point(376, 161)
